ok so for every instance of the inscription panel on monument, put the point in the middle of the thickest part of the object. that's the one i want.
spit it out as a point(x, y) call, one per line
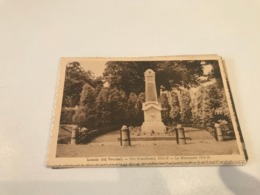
point(152, 115)
point(151, 93)
point(150, 79)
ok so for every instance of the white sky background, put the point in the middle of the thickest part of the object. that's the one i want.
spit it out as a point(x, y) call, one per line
point(207, 69)
point(97, 67)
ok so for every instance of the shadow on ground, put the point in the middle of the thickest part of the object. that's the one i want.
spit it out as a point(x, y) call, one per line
point(239, 182)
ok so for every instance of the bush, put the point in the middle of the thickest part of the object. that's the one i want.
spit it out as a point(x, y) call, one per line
point(66, 115)
point(85, 137)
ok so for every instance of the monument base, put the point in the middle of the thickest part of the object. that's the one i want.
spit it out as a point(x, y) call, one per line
point(153, 127)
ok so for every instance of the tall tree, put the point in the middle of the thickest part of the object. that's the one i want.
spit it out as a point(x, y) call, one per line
point(118, 100)
point(86, 113)
point(185, 108)
point(80, 117)
point(195, 108)
point(175, 107)
point(224, 110)
point(139, 106)
point(129, 76)
point(175, 74)
point(166, 108)
point(132, 110)
point(103, 106)
point(204, 111)
point(209, 105)
point(75, 78)
point(218, 103)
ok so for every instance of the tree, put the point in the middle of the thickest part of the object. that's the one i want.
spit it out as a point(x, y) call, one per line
point(216, 104)
point(118, 100)
point(75, 78)
point(209, 105)
point(86, 113)
point(80, 117)
point(165, 109)
point(175, 107)
point(66, 116)
point(196, 102)
point(104, 114)
point(205, 107)
point(129, 76)
point(219, 103)
point(223, 105)
point(185, 108)
point(175, 74)
point(139, 106)
point(132, 110)
point(98, 84)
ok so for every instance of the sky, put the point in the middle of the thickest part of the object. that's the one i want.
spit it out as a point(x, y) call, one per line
point(96, 66)
point(207, 69)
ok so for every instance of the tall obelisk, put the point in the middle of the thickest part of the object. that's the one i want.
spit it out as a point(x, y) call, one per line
point(151, 107)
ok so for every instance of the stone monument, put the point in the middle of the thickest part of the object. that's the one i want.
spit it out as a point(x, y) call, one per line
point(151, 107)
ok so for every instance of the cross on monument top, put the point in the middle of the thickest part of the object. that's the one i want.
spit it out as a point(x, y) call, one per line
point(149, 72)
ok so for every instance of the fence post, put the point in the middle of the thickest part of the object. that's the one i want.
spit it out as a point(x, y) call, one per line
point(73, 135)
point(218, 132)
point(181, 139)
point(125, 139)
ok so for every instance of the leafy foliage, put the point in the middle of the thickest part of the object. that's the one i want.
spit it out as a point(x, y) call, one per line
point(175, 107)
point(103, 108)
point(117, 100)
point(129, 76)
point(209, 105)
point(166, 108)
point(185, 109)
point(132, 109)
point(66, 115)
point(86, 113)
point(139, 106)
point(75, 78)
point(185, 99)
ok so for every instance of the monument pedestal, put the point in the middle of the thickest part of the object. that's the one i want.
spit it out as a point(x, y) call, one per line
point(156, 127)
point(152, 118)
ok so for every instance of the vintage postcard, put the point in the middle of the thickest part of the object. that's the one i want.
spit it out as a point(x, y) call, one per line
point(145, 111)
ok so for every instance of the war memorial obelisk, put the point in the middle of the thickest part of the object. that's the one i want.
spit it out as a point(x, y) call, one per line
point(151, 107)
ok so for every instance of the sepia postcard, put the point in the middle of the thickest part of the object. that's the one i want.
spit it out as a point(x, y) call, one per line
point(144, 111)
